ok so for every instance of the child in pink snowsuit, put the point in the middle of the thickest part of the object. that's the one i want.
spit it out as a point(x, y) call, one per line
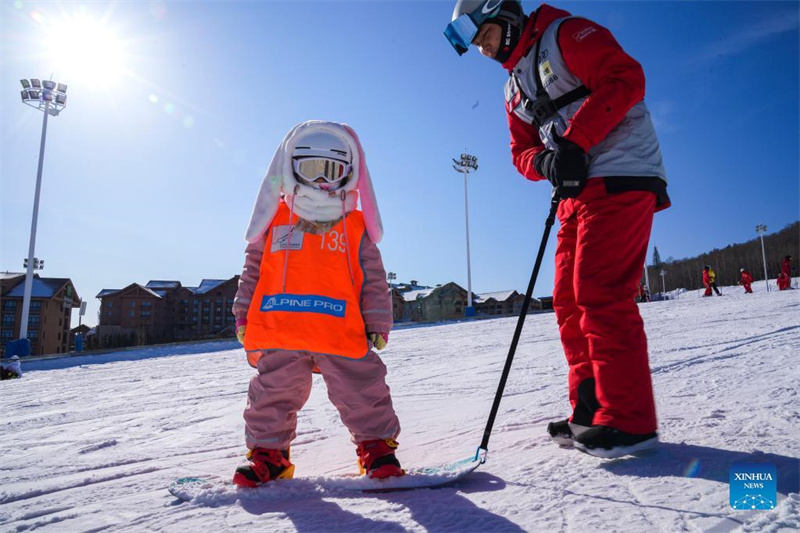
point(313, 296)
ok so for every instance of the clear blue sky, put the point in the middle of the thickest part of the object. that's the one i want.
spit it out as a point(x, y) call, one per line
point(154, 177)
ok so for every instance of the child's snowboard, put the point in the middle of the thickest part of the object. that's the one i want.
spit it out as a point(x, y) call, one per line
point(215, 490)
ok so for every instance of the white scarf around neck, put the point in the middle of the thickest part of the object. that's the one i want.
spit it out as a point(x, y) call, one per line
point(309, 203)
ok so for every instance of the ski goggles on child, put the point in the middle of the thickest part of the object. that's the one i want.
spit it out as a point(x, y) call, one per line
point(313, 168)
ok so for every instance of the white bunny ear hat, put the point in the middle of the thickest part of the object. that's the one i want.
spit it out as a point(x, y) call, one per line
point(314, 204)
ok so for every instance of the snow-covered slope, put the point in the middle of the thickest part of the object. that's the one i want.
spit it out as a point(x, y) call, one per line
point(91, 443)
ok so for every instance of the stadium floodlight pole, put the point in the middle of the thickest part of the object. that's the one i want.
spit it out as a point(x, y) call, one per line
point(49, 97)
point(761, 229)
point(467, 162)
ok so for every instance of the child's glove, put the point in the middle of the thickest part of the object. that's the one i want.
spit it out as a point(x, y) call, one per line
point(378, 340)
point(241, 325)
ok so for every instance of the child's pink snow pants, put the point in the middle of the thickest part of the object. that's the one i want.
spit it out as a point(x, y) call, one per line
point(601, 251)
point(356, 387)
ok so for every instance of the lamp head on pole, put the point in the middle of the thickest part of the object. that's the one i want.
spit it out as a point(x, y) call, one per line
point(44, 95)
point(467, 162)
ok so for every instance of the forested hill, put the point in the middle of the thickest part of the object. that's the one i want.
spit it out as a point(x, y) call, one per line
point(687, 273)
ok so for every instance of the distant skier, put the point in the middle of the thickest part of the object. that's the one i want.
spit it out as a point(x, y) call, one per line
point(10, 368)
point(644, 294)
point(313, 292)
point(710, 281)
point(785, 277)
point(577, 118)
point(745, 280)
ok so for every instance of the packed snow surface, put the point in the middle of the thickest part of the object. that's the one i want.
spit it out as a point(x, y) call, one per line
point(91, 443)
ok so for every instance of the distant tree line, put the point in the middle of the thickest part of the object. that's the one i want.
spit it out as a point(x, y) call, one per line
point(687, 273)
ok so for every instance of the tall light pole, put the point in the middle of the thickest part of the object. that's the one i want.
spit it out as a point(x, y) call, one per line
point(467, 162)
point(49, 97)
point(663, 283)
point(761, 229)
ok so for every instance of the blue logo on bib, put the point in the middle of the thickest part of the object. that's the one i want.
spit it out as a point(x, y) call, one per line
point(304, 303)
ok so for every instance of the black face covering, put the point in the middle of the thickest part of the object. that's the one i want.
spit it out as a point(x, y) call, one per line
point(508, 39)
point(511, 22)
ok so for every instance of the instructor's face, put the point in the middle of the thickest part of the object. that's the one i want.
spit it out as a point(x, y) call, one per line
point(488, 39)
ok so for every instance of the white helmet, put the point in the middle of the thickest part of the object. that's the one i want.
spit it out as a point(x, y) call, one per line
point(322, 160)
point(489, 8)
point(322, 144)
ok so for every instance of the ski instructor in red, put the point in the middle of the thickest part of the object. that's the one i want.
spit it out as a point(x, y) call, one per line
point(577, 117)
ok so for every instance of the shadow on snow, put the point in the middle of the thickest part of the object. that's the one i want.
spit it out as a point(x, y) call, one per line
point(434, 509)
point(713, 464)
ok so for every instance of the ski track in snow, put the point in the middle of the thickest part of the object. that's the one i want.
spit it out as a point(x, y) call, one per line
point(91, 443)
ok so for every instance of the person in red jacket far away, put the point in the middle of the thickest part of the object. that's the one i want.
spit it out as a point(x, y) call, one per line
point(745, 280)
point(710, 281)
point(577, 118)
point(644, 294)
point(785, 277)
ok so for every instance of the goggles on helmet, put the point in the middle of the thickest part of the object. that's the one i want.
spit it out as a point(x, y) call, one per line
point(460, 33)
point(463, 29)
point(311, 169)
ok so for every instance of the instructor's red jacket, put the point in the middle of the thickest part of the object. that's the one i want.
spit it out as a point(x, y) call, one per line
point(615, 79)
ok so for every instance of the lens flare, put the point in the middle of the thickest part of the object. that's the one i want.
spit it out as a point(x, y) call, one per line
point(692, 469)
point(85, 50)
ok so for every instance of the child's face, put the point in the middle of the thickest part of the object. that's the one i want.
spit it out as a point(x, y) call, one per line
point(325, 186)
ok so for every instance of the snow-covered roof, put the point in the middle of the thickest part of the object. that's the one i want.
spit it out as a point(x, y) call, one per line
point(10, 275)
point(42, 288)
point(404, 287)
point(162, 284)
point(154, 293)
point(160, 292)
point(410, 296)
point(207, 285)
point(500, 296)
point(106, 292)
point(109, 292)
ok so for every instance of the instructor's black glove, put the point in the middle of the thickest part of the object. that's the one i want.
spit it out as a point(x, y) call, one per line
point(565, 168)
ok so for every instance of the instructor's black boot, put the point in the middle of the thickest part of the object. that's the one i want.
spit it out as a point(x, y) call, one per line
point(607, 442)
point(560, 433)
point(563, 432)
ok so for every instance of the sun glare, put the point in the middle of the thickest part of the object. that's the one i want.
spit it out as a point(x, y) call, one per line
point(85, 50)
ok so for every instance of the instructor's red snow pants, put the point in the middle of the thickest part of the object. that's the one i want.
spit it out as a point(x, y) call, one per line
point(602, 244)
